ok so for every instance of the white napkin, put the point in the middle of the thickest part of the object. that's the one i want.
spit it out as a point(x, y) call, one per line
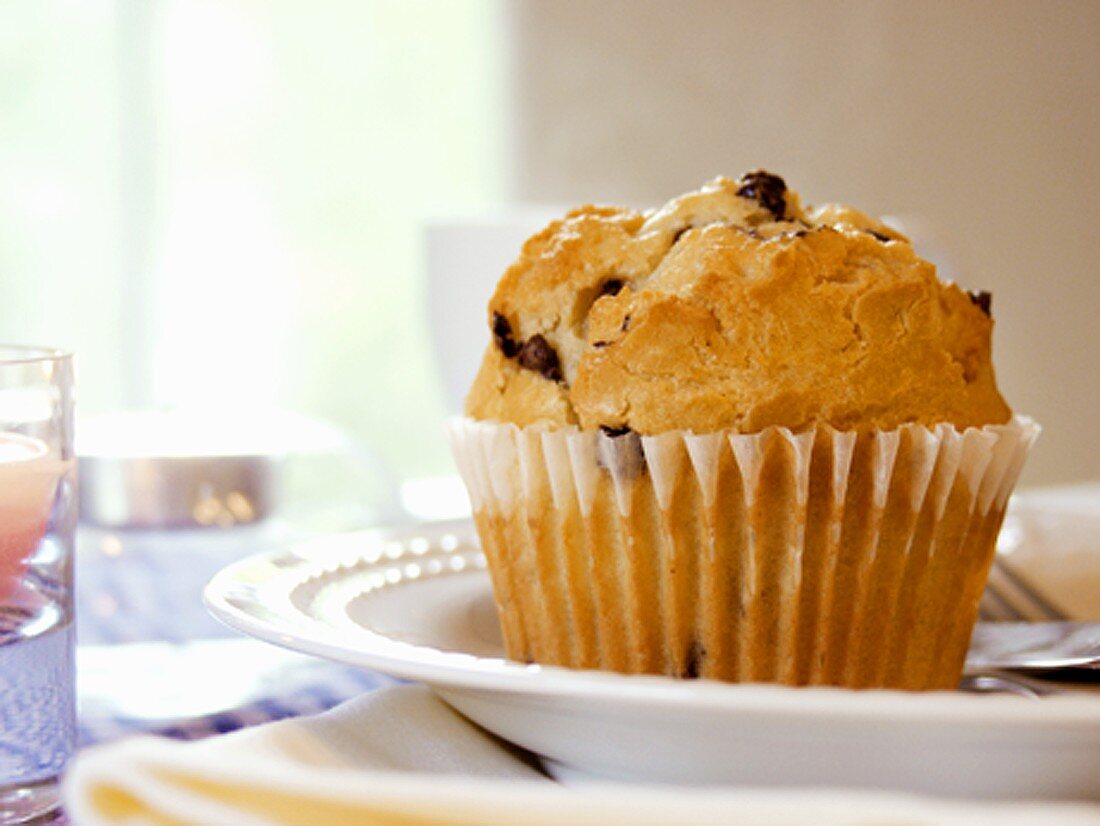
point(401, 756)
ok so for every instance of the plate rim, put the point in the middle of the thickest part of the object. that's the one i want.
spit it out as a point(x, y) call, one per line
point(456, 671)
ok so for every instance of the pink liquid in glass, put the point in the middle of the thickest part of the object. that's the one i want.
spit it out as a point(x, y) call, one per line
point(28, 481)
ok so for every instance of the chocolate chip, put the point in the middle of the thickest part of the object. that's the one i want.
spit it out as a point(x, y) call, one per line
point(619, 449)
point(768, 190)
point(693, 665)
point(984, 301)
point(614, 432)
point(502, 335)
point(886, 239)
point(537, 354)
point(611, 287)
point(626, 323)
point(599, 345)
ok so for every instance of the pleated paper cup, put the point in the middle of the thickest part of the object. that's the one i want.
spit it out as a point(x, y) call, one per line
point(822, 557)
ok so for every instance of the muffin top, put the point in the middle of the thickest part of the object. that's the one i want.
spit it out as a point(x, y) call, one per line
point(732, 307)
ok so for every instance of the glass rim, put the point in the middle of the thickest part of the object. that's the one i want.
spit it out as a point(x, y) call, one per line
point(31, 354)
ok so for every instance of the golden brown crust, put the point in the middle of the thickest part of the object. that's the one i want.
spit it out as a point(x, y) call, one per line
point(711, 314)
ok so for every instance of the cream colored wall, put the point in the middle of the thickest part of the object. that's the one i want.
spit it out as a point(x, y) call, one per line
point(977, 121)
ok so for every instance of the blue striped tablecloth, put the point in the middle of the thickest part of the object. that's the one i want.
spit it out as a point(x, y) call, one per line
point(188, 691)
point(150, 659)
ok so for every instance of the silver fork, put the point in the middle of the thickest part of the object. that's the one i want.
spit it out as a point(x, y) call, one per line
point(1025, 637)
point(1009, 597)
point(1002, 682)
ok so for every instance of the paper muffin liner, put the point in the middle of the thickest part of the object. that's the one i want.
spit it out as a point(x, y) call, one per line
point(823, 557)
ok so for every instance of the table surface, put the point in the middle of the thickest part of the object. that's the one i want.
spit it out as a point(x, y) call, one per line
point(150, 659)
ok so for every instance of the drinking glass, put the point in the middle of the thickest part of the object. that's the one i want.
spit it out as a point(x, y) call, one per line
point(37, 522)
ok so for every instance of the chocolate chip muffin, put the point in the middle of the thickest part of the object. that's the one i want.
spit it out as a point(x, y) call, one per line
point(741, 439)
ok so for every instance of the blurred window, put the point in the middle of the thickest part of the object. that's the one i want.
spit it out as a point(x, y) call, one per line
point(221, 201)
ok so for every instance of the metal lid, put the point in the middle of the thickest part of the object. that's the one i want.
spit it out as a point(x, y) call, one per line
point(188, 469)
point(178, 491)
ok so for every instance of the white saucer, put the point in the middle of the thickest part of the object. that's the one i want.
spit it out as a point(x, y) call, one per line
point(417, 604)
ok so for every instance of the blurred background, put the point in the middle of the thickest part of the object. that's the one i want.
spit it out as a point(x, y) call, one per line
point(242, 205)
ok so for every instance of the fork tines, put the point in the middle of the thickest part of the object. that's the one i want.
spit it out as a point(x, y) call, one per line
point(1009, 597)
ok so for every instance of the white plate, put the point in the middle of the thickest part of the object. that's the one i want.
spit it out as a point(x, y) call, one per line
point(418, 605)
